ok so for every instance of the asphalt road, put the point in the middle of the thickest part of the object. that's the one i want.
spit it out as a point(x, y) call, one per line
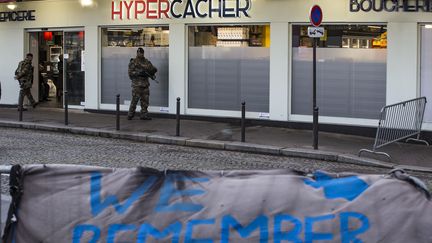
point(20, 146)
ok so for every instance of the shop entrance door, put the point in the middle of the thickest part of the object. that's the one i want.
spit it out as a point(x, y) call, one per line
point(58, 61)
point(74, 73)
point(46, 47)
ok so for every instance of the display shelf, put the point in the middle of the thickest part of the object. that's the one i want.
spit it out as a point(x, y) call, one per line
point(233, 33)
point(54, 57)
point(55, 52)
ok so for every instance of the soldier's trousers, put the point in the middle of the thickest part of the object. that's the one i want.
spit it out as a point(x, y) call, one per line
point(26, 92)
point(142, 94)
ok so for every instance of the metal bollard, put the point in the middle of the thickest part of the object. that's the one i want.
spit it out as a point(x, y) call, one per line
point(118, 112)
point(65, 95)
point(178, 117)
point(20, 106)
point(243, 130)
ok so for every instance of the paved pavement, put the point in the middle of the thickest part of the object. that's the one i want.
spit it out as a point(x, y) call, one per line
point(225, 136)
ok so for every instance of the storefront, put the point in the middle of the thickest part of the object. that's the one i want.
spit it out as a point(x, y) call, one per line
point(216, 54)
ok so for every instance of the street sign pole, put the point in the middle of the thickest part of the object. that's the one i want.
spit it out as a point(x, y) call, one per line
point(315, 108)
point(315, 16)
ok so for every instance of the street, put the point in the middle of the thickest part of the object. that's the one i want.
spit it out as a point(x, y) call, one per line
point(28, 147)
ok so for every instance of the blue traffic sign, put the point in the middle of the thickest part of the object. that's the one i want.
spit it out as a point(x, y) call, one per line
point(316, 15)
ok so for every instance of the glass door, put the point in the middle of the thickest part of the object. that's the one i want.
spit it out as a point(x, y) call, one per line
point(34, 49)
point(74, 66)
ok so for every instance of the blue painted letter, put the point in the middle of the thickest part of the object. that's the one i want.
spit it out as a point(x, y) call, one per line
point(80, 229)
point(189, 230)
point(169, 191)
point(174, 228)
point(292, 235)
point(97, 205)
point(113, 229)
point(348, 236)
point(310, 236)
point(229, 221)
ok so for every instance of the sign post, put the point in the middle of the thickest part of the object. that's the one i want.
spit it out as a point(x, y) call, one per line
point(315, 32)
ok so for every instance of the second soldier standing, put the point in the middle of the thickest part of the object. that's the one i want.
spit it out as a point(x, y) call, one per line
point(24, 75)
point(140, 70)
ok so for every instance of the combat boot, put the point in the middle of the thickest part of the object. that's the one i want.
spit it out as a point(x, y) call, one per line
point(145, 117)
point(130, 116)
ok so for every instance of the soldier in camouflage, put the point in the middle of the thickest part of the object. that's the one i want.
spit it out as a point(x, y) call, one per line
point(140, 70)
point(24, 75)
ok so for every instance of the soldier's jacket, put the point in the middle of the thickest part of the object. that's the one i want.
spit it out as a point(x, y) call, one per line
point(140, 69)
point(24, 74)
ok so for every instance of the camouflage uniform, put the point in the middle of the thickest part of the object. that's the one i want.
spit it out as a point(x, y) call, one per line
point(140, 69)
point(24, 75)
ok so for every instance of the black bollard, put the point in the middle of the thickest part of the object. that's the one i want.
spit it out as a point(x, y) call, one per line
point(20, 106)
point(118, 112)
point(243, 113)
point(65, 95)
point(178, 117)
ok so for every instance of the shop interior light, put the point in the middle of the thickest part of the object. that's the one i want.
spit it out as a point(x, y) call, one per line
point(86, 3)
point(374, 27)
point(48, 36)
point(428, 26)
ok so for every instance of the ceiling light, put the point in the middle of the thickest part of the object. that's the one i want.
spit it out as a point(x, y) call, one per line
point(428, 26)
point(11, 6)
point(86, 3)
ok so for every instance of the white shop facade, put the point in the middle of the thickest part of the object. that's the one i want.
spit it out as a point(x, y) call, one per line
point(216, 54)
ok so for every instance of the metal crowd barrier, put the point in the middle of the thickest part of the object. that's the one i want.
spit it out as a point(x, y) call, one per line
point(4, 169)
point(397, 122)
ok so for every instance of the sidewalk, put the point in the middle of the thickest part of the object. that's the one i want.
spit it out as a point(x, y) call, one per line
point(217, 135)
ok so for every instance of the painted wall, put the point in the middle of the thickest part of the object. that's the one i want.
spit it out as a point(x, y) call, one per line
point(402, 65)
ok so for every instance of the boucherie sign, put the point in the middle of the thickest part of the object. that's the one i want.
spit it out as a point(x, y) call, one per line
point(157, 9)
point(391, 5)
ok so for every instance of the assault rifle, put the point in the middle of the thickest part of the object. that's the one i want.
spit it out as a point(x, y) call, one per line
point(152, 77)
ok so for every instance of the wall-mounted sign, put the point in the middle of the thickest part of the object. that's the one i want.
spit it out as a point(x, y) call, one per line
point(12, 16)
point(391, 5)
point(157, 9)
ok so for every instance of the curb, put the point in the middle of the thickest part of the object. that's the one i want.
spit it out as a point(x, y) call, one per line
point(253, 148)
point(215, 144)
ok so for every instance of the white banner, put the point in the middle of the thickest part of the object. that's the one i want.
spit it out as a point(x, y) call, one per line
point(91, 204)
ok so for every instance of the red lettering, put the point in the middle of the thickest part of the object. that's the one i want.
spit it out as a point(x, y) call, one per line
point(128, 7)
point(113, 12)
point(163, 11)
point(137, 10)
point(151, 11)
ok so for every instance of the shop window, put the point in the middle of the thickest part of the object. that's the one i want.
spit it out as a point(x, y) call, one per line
point(228, 65)
point(351, 71)
point(425, 70)
point(119, 45)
